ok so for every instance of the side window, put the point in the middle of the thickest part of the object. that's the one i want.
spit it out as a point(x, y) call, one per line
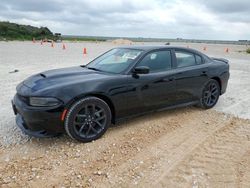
point(185, 59)
point(198, 59)
point(157, 61)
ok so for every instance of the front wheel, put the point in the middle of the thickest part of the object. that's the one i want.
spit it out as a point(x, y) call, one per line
point(88, 119)
point(210, 94)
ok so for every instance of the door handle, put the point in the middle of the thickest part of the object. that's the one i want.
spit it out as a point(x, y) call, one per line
point(145, 87)
point(204, 73)
point(168, 79)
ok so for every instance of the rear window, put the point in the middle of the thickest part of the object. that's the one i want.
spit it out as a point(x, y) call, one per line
point(185, 59)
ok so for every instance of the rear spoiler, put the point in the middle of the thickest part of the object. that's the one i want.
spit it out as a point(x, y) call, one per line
point(220, 59)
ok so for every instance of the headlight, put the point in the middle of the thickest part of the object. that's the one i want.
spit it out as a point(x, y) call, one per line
point(44, 101)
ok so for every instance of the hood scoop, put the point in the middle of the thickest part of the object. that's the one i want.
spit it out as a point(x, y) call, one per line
point(42, 75)
point(60, 76)
point(65, 72)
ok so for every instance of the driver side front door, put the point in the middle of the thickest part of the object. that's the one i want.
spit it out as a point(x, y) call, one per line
point(157, 88)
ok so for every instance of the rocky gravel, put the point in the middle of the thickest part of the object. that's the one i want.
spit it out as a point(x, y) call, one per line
point(160, 150)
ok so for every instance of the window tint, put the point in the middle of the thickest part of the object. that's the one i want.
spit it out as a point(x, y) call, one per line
point(198, 59)
point(157, 61)
point(185, 59)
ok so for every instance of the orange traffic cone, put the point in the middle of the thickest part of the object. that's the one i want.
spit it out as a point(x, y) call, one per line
point(226, 50)
point(205, 48)
point(52, 44)
point(64, 47)
point(84, 51)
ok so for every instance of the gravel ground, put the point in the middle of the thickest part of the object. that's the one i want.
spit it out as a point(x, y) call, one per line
point(177, 148)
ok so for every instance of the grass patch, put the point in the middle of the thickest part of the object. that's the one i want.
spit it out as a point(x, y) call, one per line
point(248, 51)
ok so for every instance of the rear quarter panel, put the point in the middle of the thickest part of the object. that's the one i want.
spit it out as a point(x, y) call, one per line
point(220, 70)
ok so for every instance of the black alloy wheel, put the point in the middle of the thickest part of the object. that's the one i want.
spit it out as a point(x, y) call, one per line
point(88, 119)
point(210, 94)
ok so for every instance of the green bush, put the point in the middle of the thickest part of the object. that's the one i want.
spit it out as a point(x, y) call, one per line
point(13, 31)
point(248, 50)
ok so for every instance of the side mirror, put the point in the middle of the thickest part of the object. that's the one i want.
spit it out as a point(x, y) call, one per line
point(141, 70)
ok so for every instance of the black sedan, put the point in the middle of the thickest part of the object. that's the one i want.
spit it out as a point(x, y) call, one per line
point(124, 82)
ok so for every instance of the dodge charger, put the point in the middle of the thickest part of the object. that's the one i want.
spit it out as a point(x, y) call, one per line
point(83, 101)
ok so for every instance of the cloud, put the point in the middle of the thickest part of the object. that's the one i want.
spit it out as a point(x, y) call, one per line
point(226, 6)
point(225, 19)
point(33, 6)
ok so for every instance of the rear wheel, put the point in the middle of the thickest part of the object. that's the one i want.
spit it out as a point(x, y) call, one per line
point(210, 94)
point(88, 119)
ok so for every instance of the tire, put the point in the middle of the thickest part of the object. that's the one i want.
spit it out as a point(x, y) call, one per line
point(210, 94)
point(87, 119)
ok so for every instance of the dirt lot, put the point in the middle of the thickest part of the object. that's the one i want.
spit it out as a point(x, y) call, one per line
point(186, 147)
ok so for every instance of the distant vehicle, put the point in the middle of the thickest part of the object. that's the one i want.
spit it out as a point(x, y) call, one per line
point(124, 82)
point(58, 37)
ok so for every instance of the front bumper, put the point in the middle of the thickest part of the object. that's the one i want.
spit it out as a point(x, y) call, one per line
point(39, 134)
point(37, 122)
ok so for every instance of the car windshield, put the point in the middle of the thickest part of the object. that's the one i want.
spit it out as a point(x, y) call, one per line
point(115, 61)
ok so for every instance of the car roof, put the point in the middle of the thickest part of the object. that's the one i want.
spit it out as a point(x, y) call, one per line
point(157, 47)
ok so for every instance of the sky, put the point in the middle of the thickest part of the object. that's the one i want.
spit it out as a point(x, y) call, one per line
point(193, 19)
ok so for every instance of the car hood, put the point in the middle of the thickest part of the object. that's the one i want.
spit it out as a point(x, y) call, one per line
point(60, 77)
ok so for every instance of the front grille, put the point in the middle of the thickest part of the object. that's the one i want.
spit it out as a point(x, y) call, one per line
point(23, 98)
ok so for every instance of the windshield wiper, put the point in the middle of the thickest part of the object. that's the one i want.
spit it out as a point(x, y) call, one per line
point(93, 68)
